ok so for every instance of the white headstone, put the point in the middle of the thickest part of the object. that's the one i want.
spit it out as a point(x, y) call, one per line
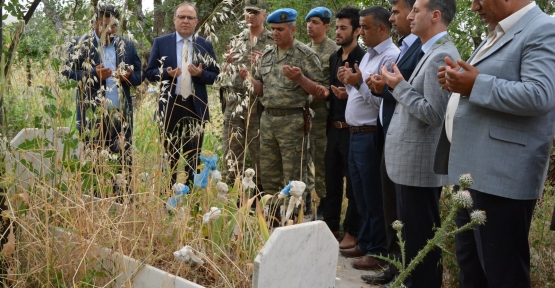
point(36, 163)
point(303, 256)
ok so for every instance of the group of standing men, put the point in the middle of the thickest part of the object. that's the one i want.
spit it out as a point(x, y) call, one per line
point(397, 121)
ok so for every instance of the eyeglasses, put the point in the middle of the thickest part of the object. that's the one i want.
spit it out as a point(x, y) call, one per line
point(183, 17)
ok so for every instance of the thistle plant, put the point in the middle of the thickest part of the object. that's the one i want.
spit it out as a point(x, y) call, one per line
point(460, 200)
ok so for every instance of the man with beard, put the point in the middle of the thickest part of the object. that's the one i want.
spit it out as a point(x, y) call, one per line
point(317, 25)
point(347, 30)
point(364, 157)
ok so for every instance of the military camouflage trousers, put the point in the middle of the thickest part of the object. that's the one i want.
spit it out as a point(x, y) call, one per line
point(318, 141)
point(283, 151)
point(241, 133)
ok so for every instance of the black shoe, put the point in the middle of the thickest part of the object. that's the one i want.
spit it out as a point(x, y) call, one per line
point(378, 279)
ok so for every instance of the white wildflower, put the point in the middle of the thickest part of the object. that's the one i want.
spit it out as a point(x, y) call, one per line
point(463, 199)
point(186, 255)
point(397, 225)
point(478, 217)
point(466, 180)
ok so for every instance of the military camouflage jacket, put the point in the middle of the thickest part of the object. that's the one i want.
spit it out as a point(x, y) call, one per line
point(241, 45)
point(279, 91)
point(324, 50)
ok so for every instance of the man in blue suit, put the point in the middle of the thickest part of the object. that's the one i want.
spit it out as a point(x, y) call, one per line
point(184, 64)
point(410, 46)
point(106, 66)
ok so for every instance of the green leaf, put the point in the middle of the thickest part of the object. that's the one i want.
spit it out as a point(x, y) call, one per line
point(51, 109)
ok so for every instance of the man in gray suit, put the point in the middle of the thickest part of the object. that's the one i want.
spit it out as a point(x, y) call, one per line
point(413, 133)
point(499, 127)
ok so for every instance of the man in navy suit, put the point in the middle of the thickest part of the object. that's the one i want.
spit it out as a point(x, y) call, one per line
point(188, 65)
point(410, 46)
point(106, 66)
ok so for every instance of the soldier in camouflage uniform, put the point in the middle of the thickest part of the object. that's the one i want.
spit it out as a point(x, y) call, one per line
point(317, 25)
point(287, 74)
point(241, 115)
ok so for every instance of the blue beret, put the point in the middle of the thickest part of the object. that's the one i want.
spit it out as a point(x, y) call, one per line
point(321, 12)
point(282, 15)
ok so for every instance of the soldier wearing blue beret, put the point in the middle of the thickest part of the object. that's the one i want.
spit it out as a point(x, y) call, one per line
point(321, 12)
point(288, 73)
point(282, 15)
point(317, 26)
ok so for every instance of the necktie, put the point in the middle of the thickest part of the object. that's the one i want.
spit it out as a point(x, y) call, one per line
point(185, 78)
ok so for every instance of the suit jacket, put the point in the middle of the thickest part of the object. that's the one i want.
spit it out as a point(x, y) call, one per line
point(503, 132)
point(165, 46)
point(406, 65)
point(417, 121)
point(83, 68)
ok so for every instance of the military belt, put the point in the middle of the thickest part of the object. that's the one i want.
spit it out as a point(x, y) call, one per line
point(283, 112)
point(362, 129)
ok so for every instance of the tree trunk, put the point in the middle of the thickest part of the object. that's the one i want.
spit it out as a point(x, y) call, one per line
point(158, 24)
point(50, 10)
point(28, 70)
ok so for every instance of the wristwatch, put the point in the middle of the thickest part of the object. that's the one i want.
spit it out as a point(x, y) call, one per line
point(357, 86)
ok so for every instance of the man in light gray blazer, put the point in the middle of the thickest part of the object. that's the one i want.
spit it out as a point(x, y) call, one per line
point(499, 127)
point(413, 134)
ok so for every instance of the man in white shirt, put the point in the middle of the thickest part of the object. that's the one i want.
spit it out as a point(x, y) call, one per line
point(364, 157)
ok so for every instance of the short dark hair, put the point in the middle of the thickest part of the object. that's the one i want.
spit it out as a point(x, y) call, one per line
point(351, 13)
point(380, 15)
point(448, 8)
point(106, 11)
point(408, 3)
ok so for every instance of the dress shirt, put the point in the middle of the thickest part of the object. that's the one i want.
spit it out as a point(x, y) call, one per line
point(406, 42)
point(179, 50)
point(109, 59)
point(493, 37)
point(363, 107)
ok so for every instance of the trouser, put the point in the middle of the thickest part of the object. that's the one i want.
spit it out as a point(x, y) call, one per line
point(364, 167)
point(337, 168)
point(182, 134)
point(112, 132)
point(419, 212)
point(241, 133)
point(496, 254)
point(316, 152)
point(283, 151)
point(389, 195)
